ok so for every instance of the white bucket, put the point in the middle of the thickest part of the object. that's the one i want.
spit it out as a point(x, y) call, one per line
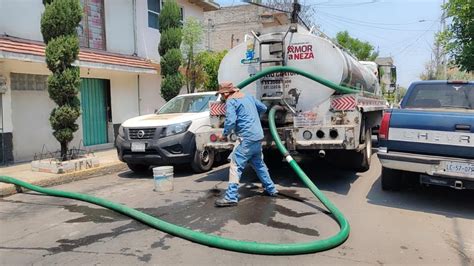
point(163, 177)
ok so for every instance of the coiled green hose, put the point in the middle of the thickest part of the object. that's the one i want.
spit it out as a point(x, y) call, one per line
point(212, 240)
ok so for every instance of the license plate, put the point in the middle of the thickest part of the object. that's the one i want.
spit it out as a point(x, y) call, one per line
point(138, 147)
point(460, 168)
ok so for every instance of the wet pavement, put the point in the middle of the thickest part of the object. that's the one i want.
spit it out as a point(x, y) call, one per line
point(415, 226)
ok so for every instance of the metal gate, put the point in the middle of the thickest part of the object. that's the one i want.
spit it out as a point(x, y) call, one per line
point(93, 105)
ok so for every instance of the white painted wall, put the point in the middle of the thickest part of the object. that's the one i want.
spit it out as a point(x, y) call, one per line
point(124, 97)
point(26, 113)
point(119, 26)
point(29, 113)
point(149, 38)
point(21, 18)
point(150, 98)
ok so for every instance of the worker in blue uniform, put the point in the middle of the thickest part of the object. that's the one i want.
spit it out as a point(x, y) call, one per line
point(243, 117)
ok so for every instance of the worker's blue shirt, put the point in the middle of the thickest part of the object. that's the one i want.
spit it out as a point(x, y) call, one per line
point(243, 116)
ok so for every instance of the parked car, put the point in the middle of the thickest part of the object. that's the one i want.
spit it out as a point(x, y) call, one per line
point(431, 137)
point(168, 136)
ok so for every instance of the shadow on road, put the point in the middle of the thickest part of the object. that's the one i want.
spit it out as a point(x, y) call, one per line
point(433, 199)
point(325, 176)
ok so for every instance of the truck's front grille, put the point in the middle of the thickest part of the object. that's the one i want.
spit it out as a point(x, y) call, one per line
point(141, 133)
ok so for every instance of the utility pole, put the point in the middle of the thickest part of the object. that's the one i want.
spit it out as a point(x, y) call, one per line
point(295, 12)
point(443, 28)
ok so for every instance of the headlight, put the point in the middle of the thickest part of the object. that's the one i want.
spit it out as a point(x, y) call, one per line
point(121, 131)
point(177, 128)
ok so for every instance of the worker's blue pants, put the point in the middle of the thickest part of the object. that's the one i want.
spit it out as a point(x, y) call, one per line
point(247, 152)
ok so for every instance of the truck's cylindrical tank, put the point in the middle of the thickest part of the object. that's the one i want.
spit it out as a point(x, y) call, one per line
point(307, 52)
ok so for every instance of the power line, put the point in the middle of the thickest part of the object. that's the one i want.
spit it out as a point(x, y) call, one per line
point(416, 40)
point(365, 25)
point(339, 5)
point(374, 22)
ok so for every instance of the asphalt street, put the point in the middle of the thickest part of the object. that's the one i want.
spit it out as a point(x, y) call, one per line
point(419, 225)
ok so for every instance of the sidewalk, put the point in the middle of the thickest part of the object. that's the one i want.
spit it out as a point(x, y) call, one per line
point(108, 160)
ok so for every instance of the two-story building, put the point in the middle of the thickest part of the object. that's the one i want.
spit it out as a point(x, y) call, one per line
point(119, 64)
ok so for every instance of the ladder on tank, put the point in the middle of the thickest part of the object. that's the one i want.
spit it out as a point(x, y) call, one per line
point(276, 47)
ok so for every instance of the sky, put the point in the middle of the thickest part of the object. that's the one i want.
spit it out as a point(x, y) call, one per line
point(402, 29)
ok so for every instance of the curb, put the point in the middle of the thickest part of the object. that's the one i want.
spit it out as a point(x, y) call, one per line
point(10, 189)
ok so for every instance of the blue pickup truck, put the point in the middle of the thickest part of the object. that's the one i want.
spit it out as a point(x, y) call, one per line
point(431, 136)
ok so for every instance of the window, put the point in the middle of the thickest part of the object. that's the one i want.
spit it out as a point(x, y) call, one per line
point(153, 13)
point(459, 96)
point(188, 104)
point(28, 82)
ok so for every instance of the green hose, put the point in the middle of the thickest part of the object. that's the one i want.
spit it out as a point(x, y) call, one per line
point(212, 240)
point(325, 82)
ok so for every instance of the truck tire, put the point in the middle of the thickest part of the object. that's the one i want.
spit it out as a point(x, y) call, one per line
point(203, 160)
point(360, 160)
point(391, 179)
point(138, 168)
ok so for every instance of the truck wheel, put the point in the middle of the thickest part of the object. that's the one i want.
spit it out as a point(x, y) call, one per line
point(138, 168)
point(360, 160)
point(203, 160)
point(391, 179)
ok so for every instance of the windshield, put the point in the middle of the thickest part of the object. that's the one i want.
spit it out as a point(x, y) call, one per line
point(441, 96)
point(188, 104)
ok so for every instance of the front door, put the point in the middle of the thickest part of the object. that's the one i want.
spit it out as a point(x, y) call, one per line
point(94, 111)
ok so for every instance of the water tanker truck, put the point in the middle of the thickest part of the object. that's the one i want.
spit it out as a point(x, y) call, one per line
point(318, 120)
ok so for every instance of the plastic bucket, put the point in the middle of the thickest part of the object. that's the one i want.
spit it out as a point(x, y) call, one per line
point(163, 178)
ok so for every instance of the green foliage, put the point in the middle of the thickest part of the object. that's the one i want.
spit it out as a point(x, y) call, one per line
point(210, 62)
point(170, 62)
point(58, 26)
point(170, 39)
point(458, 39)
point(64, 135)
point(170, 16)
point(171, 85)
point(62, 121)
point(170, 42)
point(61, 52)
point(364, 51)
point(192, 36)
point(64, 117)
point(60, 17)
point(62, 87)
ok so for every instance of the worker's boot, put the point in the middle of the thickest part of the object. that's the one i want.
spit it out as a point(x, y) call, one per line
point(274, 194)
point(223, 202)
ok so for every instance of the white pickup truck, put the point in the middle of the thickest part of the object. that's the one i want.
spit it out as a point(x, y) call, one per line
point(168, 136)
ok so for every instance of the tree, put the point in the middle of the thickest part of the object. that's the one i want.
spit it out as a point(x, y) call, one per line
point(210, 62)
point(364, 51)
point(58, 27)
point(458, 39)
point(192, 36)
point(170, 41)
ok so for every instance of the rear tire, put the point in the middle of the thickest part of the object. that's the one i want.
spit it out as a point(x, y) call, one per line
point(391, 179)
point(138, 168)
point(203, 160)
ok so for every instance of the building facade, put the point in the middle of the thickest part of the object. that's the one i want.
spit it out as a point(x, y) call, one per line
point(227, 27)
point(119, 64)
